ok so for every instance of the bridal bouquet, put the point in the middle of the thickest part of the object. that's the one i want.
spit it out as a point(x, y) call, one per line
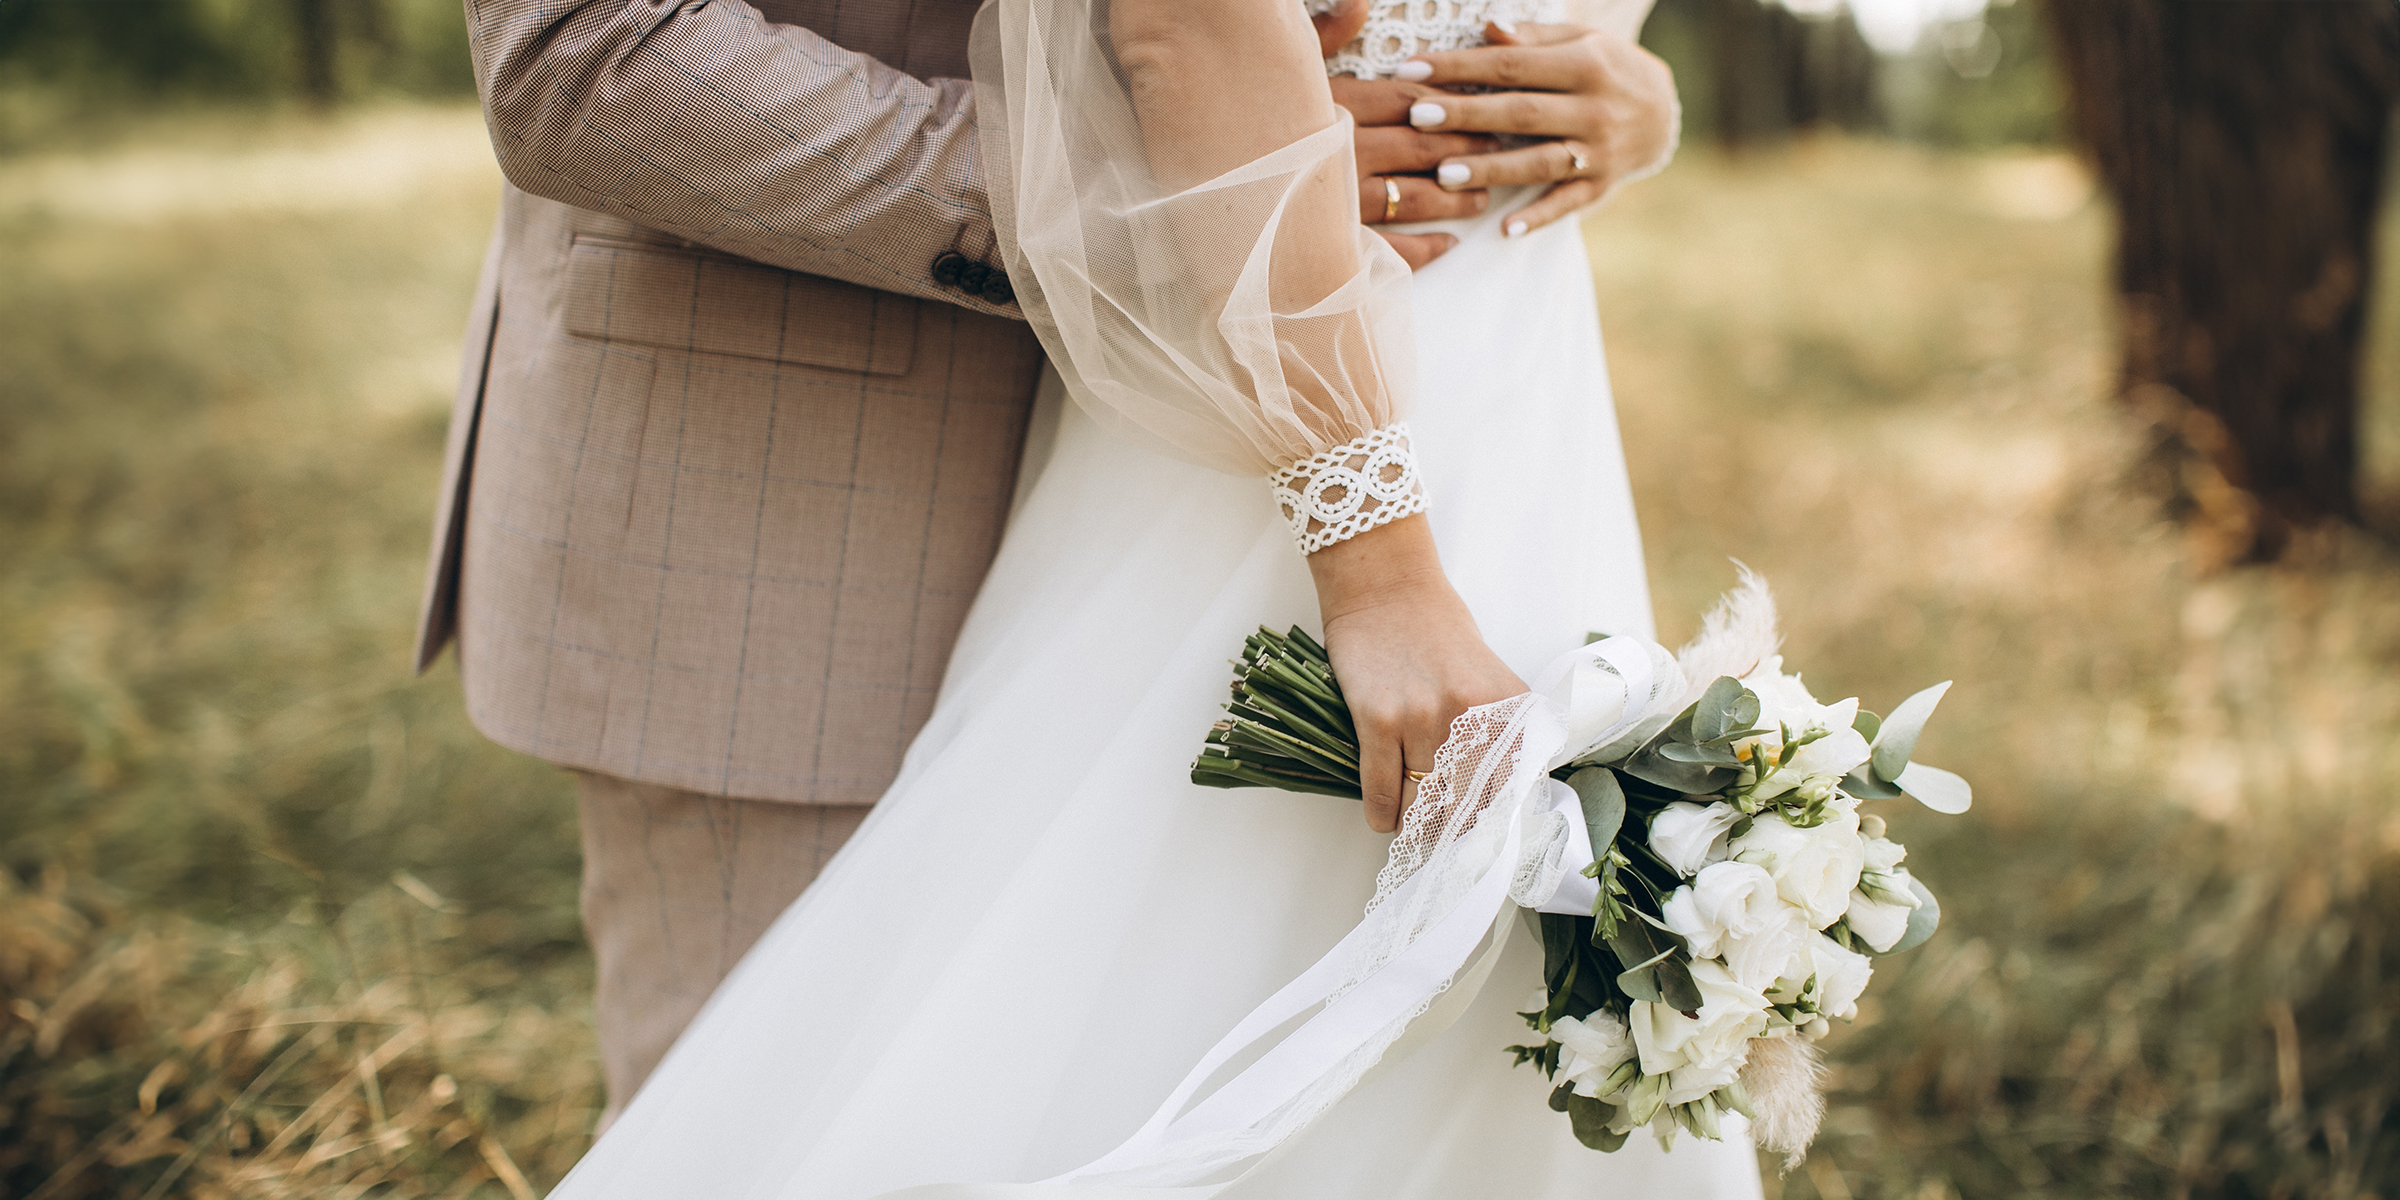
point(1731, 895)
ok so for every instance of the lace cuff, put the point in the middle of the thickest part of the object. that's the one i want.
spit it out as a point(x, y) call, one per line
point(1367, 481)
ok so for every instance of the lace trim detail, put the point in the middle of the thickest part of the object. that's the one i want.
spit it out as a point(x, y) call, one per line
point(1367, 481)
point(1398, 30)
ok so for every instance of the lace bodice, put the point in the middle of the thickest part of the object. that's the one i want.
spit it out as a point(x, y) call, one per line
point(1399, 29)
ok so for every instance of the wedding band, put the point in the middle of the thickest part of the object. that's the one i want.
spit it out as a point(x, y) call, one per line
point(1415, 776)
point(1391, 200)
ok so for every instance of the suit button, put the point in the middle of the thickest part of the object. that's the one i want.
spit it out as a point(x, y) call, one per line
point(971, 277)
point(997, 289)
point(946, 267)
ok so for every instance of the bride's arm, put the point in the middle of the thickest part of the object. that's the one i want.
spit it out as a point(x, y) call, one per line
point(1219, 85)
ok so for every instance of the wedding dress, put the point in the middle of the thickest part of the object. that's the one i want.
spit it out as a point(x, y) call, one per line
point(1044, 923)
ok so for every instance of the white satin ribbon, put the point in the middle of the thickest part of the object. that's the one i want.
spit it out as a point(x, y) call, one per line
point(1585, 699)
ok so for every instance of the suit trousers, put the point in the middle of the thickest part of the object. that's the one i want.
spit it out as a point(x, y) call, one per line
point(677, 886)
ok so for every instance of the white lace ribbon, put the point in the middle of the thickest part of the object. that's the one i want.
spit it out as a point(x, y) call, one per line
point(1367, 481)
point(1370, 990)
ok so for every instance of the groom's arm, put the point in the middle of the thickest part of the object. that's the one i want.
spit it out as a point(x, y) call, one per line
point(703, 119)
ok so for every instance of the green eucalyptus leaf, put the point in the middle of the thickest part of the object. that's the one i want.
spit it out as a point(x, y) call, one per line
point(1590, 1118)
point(1745, 710)
point(1922, 920)
point(1867, 724)
point(1558, 1097)
point(1646, 952)
point(1679, 729)
point(1558, 948)
point(1675, 981)
point(1897, 739)
point(1695, 779)
point(1603, 806)
point(1862, 784)
point(1937, 789)
point(1641, 985)
point(1591, 988)
point(1594, 636)
point(1713, 715)
point(1731, 736)
point(1711, 754)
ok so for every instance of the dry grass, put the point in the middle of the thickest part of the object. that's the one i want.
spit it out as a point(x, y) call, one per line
point(156, 1057)
point(230, 345)
point(277, 923)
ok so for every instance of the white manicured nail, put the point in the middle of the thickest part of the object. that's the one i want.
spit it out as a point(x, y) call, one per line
point(1507, 27)
point(1425, 114)
point(1453, 175)
point(1413, 71)
point(1515, 229)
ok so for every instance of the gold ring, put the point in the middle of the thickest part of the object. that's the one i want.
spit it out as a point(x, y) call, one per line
point(1391, 200)
point(1577, 155)
point(1415, 776)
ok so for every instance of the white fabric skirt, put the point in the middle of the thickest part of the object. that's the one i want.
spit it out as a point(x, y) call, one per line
point(1045, 923)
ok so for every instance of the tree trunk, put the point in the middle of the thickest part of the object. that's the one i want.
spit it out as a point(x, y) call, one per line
point(2243, 143)
point(1776, 71)
point(312, 29)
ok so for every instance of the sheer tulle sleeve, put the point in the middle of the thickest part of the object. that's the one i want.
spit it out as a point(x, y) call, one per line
point(1242, 319)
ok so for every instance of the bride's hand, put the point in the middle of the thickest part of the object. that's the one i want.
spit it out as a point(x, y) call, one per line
point(1604, 106)
point(1407, 653)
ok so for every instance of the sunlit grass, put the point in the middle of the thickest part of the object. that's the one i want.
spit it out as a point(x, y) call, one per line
point(229, 354)
point(1879, 375)
point(248, 853)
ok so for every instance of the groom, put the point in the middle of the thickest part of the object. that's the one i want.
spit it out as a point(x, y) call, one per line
point(741, 408)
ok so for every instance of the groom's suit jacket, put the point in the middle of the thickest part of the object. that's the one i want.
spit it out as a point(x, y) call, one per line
point(743, 398)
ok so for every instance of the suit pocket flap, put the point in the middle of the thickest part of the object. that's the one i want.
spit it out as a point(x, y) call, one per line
point(717, 304)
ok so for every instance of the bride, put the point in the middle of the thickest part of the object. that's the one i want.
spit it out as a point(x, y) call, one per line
point(1044, 924)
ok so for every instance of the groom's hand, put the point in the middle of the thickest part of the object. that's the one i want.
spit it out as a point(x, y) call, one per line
point(1606, 105)
point(1396, 163)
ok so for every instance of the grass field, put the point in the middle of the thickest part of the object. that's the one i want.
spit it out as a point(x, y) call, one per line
point(277, 923)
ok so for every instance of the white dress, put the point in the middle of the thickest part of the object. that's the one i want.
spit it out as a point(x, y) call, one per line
point(1044, 923)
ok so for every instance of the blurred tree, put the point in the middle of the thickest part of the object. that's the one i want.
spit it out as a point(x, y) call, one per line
point(1981, 81)
point(2243, 141)
point(119, 54)
point(312, 25)
point(1755, 71)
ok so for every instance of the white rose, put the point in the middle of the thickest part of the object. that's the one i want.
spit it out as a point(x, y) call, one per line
point(1814, 868)
point(1757, 958)
point(1879, 922)
point(1725, 899)
point(1840, 975)
point(1595, 1047)
point(1689, 836)
point(1715, 1037)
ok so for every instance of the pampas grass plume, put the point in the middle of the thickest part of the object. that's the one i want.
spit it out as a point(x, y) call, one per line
point(1737, 635)
point(1785, 1078)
